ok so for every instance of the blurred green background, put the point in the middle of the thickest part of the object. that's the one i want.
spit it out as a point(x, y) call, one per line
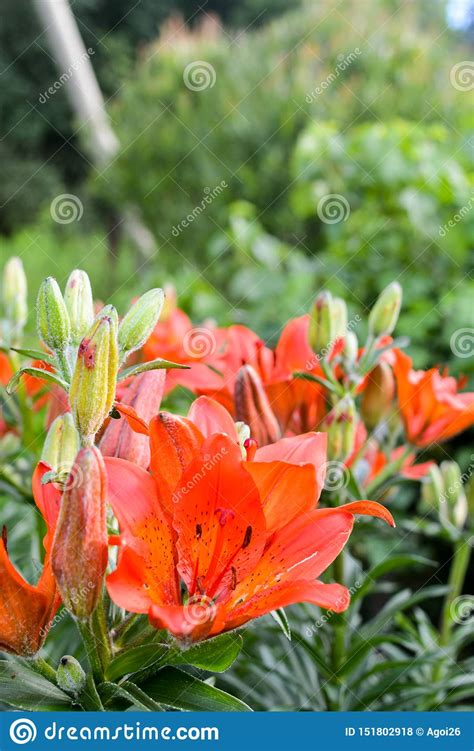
point(352, 100)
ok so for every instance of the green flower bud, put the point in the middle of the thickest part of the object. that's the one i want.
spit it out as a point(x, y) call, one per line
point(384, 315)
point(93, 383)
point(432, 489)
point(108, 311)
point(53, 323)
point(378, 395)
point(339, 316)
point(351, 347)
point(322, 324)
point(79, 304)
point(454, 496)
point(340, 425)
point(139, 322)
point(70, 676)
point(61, 444)
point(14, 293)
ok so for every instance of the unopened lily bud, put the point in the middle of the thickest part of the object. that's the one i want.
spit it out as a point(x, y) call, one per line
point(252, 407)
point(340, 425)
point(432, 489)
point(144, 394)
point(108, 311)
point(339, 316)
point(384, 315)
point(14, 294)
point(79, 553)
point(351, 347)
point(79, 304)
point(53, 323)
point(92, 391)
point(139, 322)
point(454, 495)
point(321, 327)
point(378, 395)
point(70, 676)
point(61, 444)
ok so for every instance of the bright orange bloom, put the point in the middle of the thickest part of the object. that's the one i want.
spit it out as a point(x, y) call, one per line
point(25, 609)
point(429, 403)
point(243, 536)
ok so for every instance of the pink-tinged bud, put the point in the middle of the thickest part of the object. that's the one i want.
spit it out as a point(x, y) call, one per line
point(340, 425)
point(378, 395)
point(252, 407)
point(384, 315)
point(144, 394)
point(79, 553)
point(92, 391)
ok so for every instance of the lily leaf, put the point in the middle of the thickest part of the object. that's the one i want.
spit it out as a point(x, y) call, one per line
point(179, 690)
point(44, 375)
point(279, 616)
point(26, 689)
point(396, 562)
point(35, 354)
point(215, 655)
point(142, 367)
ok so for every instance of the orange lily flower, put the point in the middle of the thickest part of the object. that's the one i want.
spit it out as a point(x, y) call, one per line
point(431, 407)
point(243, 536)
point(26, 610)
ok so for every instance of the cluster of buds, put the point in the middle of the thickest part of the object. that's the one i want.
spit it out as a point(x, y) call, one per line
point(85, 351)
point(444, 492)
point(340, 425)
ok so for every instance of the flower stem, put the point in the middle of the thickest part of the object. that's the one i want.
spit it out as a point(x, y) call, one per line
point(39, 665)
point(92, 648)
point(391, 468)
point(339, 639)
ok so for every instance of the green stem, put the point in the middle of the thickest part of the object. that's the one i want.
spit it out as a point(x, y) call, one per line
point(89, 699)
point(92, 648)
point(39, 665)
point(63, 362)
point(100, 630)
point(390, 469)
point(457, 574)
point(339, 640)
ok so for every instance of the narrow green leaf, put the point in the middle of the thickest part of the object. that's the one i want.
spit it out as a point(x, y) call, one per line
point(142, 367)
point(35, 354)
point(44, 375)
point(385, 567)
point(179, 690)
point(279, 616)
point(317, 379)
point(26, 689)
point(215, 655)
